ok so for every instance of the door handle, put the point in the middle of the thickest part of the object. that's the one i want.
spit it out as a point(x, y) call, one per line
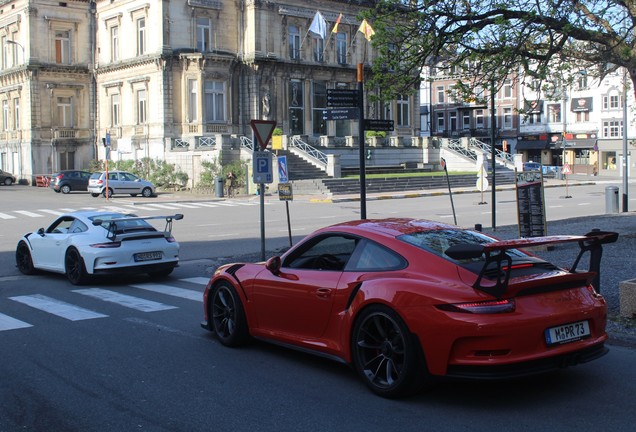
point(323, 292)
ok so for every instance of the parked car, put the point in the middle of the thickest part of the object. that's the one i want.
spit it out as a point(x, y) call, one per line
point(119, 182)
point(404, 300)
point(7, 178)
point(531, 166)
point(85, 243)
point(70, 180)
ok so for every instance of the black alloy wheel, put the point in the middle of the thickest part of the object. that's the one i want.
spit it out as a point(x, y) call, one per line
point(227, 315)
point(385, 353)
point(75, 268)
point(23, 259)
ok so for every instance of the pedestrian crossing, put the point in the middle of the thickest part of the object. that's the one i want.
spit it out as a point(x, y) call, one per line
point(69, 311)
point(125, 208)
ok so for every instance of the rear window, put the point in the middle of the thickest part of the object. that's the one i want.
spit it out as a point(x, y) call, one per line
point(96, 175)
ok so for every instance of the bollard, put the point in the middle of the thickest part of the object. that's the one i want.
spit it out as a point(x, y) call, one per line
point(611, 199)
point(218, 182)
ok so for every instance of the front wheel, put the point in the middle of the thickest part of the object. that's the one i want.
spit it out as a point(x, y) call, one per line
point(146, 192)
point(108, 193)
point(66, 189)
point(23, 259)
point(94, 195)
point(8, 181)
point(227, 315)
point(75, 268)
point(385, 353)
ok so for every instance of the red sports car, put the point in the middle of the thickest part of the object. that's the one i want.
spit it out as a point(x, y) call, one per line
point(403, 300)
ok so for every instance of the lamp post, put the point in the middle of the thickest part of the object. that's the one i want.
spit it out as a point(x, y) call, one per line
point(12, 42)
point(625, 156)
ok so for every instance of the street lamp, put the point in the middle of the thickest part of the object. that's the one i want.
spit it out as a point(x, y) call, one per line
point(625, 158)
point(12, 42)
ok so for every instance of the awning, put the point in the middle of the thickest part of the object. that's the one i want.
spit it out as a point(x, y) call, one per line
point(581, 104)
point(531, 144)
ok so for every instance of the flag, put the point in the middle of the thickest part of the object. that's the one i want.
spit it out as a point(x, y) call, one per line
point(366, 30)
point(319, 26)
point(335, 26)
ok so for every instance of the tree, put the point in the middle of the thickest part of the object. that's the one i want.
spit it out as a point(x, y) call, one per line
point(491, 39)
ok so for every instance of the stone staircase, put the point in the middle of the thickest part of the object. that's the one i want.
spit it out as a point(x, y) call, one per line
point(299, 169)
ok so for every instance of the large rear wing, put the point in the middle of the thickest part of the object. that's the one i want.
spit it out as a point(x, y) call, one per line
point(495, 253)
point(112, 223)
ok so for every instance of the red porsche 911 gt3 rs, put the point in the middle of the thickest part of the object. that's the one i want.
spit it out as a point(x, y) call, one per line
point(403, 300)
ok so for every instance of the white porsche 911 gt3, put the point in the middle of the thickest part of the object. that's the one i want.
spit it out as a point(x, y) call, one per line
point(85, 243)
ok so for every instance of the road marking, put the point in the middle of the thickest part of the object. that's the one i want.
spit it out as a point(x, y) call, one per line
point(124, 300)
point(57, 307)
point(171, 291)
point(53, 212)
point(70, 210)
point(8, 323)
point(6, 216)
point(223, 235)
point(196, 280)
point(28, 213)
point(114, 209)
point(183, 205)
point(162, 206)
point(207, 204)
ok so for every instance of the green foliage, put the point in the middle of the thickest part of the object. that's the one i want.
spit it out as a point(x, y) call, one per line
point(277, 132)
point(379, 134)
point(212, 169)
point(159, 172)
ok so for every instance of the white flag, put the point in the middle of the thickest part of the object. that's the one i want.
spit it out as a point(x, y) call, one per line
point(319, 26)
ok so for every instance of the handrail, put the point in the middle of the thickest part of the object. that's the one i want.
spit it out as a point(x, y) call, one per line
point(247, 143)
point(309, 151)
point(504, 157)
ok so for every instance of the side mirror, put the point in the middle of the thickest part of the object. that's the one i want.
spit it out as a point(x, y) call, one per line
point(273, 265)
point(41, 232)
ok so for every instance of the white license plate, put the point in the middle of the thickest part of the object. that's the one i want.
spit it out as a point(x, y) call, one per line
point(148, 256)
point(567, 332)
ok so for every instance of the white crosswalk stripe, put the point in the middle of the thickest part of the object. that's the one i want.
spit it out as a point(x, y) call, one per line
point(57, 307)
point(183, 205)
point(6, 216)
point(196, 280)
point(53, 212)
point(125, 300)
point(171, 291)
point(8, 323)
point(162, 206)
point(28, 213)
point(70, 210)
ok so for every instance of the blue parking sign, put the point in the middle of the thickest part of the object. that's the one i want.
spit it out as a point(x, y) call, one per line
point(262, 167)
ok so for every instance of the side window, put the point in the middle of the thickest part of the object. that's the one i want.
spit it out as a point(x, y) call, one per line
point(329, 252)
point(371, 256)
point(60, 226)
point(77, 227)
point(112, 176)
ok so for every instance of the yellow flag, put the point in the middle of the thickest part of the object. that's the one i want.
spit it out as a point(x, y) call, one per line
point(366, 30)
point(335, 26)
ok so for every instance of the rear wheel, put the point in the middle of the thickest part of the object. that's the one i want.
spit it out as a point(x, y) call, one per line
point(385, 353)
point(107, 193)
point(227, 315)
point(23, 259)
point(94, 195)
point(65, 189)
point(75, 268)
point(146, 192)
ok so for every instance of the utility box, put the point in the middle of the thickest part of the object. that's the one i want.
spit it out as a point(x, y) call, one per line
point(611, 199)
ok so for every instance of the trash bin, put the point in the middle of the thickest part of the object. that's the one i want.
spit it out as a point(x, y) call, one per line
point(611, 199)
point(218, 183)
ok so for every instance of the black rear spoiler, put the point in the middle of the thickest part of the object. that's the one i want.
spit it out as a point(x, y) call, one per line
point(112, 223)
point(496, 253)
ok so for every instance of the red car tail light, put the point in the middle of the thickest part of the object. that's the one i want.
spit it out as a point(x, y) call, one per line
point(485, 307)
point(108, 245)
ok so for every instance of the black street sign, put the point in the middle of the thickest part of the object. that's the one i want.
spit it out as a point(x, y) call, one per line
point(341, 114)
point(342, 98)
point(378, 125)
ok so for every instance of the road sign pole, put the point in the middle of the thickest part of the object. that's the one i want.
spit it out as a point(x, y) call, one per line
point(363, 177)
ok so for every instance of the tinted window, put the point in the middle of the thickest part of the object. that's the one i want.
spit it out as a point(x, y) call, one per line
point(371, 256)
point(330, 252)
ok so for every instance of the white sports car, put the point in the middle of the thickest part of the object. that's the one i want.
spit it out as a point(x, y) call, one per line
point(85, 243)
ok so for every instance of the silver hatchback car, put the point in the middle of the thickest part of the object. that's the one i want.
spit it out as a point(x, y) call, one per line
point(119, 182)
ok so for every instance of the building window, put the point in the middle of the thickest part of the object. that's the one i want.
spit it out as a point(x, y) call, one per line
point(214, 101)
point(193, 100)
point(294, 42)
point(65, 111)
point(141, 36)
point(613, 100)
point(114, 110)
point(612, 129)
point(319, 103)
point(582, 117)
point(114, 44)
point(507, 118)
point(466, 120)
point(582, 81)
point(16, 113)
point(296, 108)
point(14, 50)
point(319, 49)
point(479, 119)
point(441, 95)
point(341, 47)
point(554, 113)
point(142, 104)
point(204, 32)
point(5, 115)
point(5, 53)
point(440, 122)
point(452, 121)
point(63, 47)
point(403, 111)
point(507, 89)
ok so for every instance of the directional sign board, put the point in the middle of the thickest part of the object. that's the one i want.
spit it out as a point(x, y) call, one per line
point(378, 125)
point(263, 130)
point(283, 174)
point(340, 114)
point(262, 167)
point(342, 98)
